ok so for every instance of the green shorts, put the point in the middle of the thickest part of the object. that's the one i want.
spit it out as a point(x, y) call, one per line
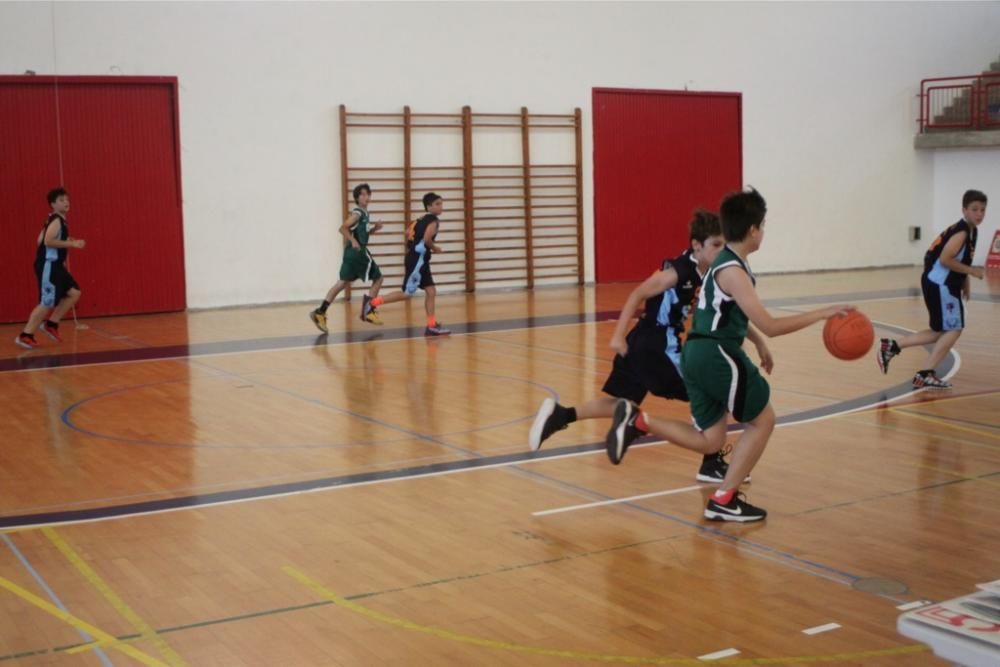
point(359, 265)
point(721, 378)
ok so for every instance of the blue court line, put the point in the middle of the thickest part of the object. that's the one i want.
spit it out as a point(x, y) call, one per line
point(52, 596)
point(32, 362)
point(480, 461)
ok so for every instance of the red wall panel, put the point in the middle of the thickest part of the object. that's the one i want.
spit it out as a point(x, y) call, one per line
point(658, 155)
point(120, 163)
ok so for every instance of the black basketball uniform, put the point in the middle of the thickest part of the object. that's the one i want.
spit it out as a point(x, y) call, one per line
point(418, 256)
point(54, 281)
point(941, 286)
point(653, 362)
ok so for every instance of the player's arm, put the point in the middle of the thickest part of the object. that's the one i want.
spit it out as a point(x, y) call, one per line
point(52, 239)
point(658, 283)
point(429, 237)
point(949, 257)
point(345, 231)
point(377, 226)
point(735, 282)
point(758, 339)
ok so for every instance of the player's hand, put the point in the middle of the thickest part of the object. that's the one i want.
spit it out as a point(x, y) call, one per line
point(978, 272)
point(766, 360)
point(436, 248)
point(355, 245)
point(378, 226)
point(841, 309)
point(967, 290)
point(619, 345)
point(78, 243)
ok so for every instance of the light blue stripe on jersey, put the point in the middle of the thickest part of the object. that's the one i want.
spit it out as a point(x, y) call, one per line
point(48, 289)
point(673, 349)
point(939, 272)
point(669, 299)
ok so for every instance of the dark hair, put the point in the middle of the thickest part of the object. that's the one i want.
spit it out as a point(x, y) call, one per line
point(702, 225)
point(973, 196)
point(429, 199)
point(358, 189)
point(56, 193)
point(740, 211)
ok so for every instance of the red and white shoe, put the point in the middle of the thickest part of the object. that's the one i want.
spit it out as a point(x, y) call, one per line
point(51, 329)
point(27, 341)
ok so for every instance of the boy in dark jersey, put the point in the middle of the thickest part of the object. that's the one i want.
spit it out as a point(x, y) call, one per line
point(358, 263)
point(944, 282)
point(420, 246)
point(58, 291)
point(718, 374)
point(648, 359)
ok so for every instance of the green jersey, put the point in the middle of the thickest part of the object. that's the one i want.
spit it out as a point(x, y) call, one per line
point(717, 315)
point(360, 228)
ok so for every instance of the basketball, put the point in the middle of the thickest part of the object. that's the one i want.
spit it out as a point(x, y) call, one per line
point(849, 336)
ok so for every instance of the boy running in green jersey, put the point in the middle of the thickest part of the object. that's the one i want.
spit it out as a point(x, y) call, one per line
point(720, 377)
point(358, 263)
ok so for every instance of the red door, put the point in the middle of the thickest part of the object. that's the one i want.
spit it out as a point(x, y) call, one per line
point(113, 143)
point(658, 155)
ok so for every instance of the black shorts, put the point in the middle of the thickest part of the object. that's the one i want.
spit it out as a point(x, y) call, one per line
point(645, 369)
point(418, 272)
point(944, 304)
point(54, 282)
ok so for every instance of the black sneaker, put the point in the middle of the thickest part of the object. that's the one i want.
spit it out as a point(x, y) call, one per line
point(551, 417)
point(623, 431)
point(887, 349)
point(715, 466)
point(737, 509)
point(929, 380)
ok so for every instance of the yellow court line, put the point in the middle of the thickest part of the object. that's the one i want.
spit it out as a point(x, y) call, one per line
point(147, 632)
point(943, 422)
point(104, 639)
point(596, 657)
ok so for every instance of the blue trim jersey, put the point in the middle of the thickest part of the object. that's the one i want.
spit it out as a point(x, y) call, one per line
point(938, 273)
point(46, 254)
point(415, 234)
point(670, 310)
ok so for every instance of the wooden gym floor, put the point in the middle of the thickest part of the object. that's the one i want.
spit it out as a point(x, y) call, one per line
point(228, 488)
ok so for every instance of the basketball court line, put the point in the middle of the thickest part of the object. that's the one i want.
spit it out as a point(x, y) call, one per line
point(356, 479)
point(28, 363)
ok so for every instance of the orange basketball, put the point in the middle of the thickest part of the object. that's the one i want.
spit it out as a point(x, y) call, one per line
point(849, 336)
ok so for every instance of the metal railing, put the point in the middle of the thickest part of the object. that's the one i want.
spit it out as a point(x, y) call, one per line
point(960, 103)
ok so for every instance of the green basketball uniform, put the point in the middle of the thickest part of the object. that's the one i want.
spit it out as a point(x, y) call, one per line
point(719, 375)
point(358, 263)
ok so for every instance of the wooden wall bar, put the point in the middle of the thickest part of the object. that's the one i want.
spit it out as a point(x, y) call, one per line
point(504, 224)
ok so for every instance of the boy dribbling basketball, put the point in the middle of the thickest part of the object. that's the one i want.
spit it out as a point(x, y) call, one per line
point(719, 376)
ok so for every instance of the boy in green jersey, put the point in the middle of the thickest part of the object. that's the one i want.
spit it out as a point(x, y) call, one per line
point(358, 263)
point(720, 377)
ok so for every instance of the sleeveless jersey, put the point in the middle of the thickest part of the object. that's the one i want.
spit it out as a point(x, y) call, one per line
point(360, 229)
point(717, 315)
point(937, 272)
point(45, 254)
point(415, 232)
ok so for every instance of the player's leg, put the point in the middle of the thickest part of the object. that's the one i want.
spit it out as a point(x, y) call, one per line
point(553, 417)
